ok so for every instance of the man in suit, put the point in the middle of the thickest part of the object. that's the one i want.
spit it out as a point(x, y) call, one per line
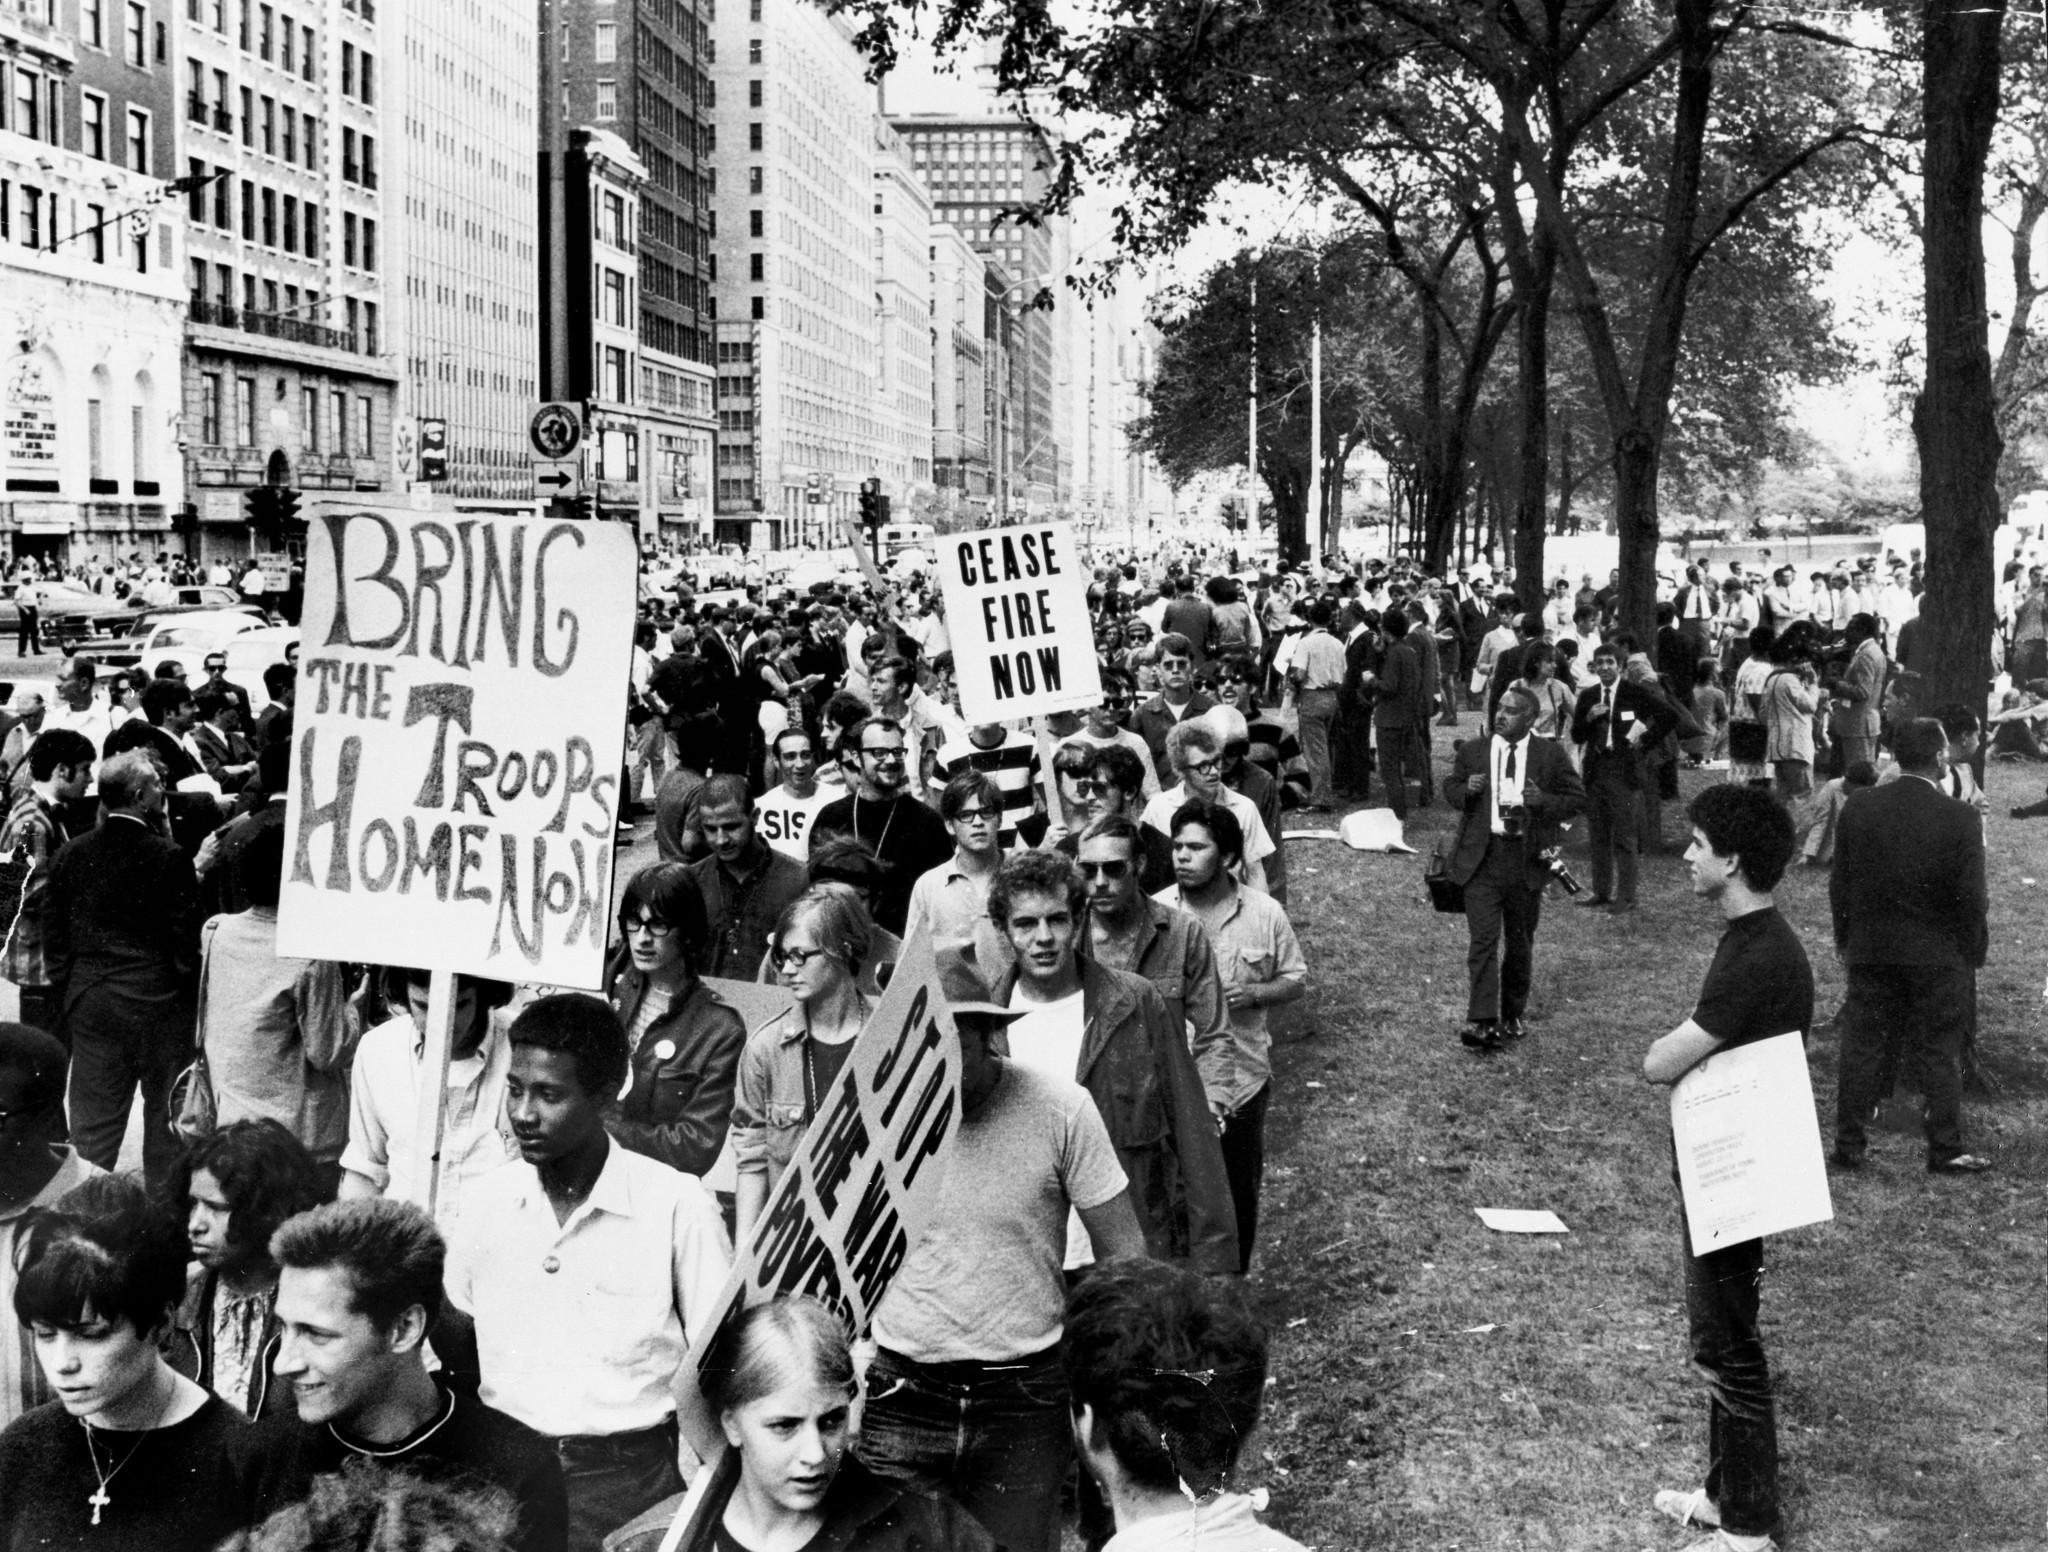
point(1177, 700)
point(120, 944)
point(1507, 667)
point(1909, 914)
point(1398, 710)
point(1617, 724)
point(1515, 791)
point(1858, 694)
point(217, 735)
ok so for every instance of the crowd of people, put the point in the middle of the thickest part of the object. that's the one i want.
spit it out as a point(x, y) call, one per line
point(1106, 893)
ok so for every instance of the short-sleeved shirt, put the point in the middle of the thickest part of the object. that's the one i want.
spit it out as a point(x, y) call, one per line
point(1258, 844)
point(783, 819)
point(1760, 983)
point(984, 1284)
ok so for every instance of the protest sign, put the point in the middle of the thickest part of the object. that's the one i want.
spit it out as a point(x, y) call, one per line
point(1017, 611)
point(1748, 1143)
point(858, 1192)
point(457, 743)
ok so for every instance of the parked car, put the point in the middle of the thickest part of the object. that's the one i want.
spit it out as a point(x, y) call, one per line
point(179, 637)
point(58, 598)
point(93, 619)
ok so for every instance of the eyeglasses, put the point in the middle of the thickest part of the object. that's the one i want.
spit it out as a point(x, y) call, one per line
point(1105, 869)
point(971, 815)
point(1087, 786)
point(1202, 767)
point(893, 752)
point(794, 958)
point(649, 925)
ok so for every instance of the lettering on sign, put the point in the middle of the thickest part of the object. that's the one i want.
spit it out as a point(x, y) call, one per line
point(1017, 608)
point(459, 731)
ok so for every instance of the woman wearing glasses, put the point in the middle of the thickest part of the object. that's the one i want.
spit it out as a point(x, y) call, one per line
point(789, 1064)
point(685, 1041)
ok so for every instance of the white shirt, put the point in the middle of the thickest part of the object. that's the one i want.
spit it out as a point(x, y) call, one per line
point(1505, 786)
point(783, 819)
point(382, 1102)
point(1258, 845)
point(582, 1327)
point(1048, 1039)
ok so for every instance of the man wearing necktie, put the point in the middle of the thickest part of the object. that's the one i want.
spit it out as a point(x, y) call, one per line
point(1516, 790)
point(1612, 721)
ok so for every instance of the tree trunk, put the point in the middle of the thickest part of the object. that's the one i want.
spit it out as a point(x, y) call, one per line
point(1532, 496)
point(1955, 419)
point(1567, 485)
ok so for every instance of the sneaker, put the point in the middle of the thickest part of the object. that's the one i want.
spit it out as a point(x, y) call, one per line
point(1693, 1508)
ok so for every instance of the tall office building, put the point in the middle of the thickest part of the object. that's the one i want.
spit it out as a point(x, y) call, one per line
point(625, 104)
point(980, 169)
point(960, 357)
point(903, 325)
point(281, 136)
point(465, 326)
point(795, 272)
point(91, 279)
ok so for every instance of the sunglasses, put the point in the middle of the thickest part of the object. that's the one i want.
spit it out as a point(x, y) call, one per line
point(648, 925)
point(1105, 869)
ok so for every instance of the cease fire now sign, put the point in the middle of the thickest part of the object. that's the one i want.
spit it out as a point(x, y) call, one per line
point(1017, 611)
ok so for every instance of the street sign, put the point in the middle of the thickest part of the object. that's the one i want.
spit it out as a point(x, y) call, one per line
point(552, 477)
point(556, 430)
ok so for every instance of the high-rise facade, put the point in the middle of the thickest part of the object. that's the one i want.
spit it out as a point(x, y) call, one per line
point(91, 287)
point(903, 325)
point(794, 272)
point(981, 169)
point(624, 91)
point(464, 240)
point(281, 136)
point(960, 357)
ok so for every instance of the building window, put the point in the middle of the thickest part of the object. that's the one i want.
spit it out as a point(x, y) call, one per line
point(138, 140)
point(348, 70)
point(245, 411)
point(755, 138)
point(248, 117)
point(363, 447)
point(270, 218)
point(615, 374)
point(270, 296)
point(291, 224)
point(305, 53)
point(348, 239)
point(755, 181)
point(607, 48)
point(309, 418)
point(369, 94)
point(92, 121)
point(607, 100)
point(95, 222)
point(369, 244)
point(92, 26)
point(756, 224)
point(209, 408)
point(370, 328)
point(195, 199)
point(264, 38)
point(340, 403)
point(269, 127)
point(760, 308)
point(138, 35)
point(311, 227)
point(284, 45)
point(312, 127)
point(753, 51)
point(95, 439)
point(753, 94)
point(291, 135)
point(756, 267)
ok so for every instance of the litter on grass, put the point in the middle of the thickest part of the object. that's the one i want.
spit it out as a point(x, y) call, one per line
point(1521, 1220)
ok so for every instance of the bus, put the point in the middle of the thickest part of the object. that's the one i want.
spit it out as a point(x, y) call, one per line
point(898, 537)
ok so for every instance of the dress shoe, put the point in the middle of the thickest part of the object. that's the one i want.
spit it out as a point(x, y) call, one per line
point(1483, 1036)
point(1959, 1164)
point(1512, 1029)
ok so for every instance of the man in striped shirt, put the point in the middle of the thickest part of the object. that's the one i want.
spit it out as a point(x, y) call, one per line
point(1006, 756)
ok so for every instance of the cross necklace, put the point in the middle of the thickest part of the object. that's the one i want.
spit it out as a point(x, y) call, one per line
point(99, 1498)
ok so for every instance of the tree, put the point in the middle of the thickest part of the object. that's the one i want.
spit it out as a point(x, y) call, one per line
point(1955, 419)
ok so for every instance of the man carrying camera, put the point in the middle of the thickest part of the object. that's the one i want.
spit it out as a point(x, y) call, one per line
point(1515, 790)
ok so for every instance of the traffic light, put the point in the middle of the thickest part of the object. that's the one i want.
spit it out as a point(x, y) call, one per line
point(874, 506)
point(814, 490)
point(271, 508)
point(884, 503)
point(433, 450)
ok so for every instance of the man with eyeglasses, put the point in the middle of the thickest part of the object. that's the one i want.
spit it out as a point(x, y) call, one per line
point(1197, 754)
point(1111, 789)
point(1178, 698)
point(950, 903)
point(1105, 723)
point(216, 664)
point(906, 837)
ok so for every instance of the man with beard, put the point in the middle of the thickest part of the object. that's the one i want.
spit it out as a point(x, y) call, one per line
point(236, 1186)
point(358, 1288)
point(905, 836)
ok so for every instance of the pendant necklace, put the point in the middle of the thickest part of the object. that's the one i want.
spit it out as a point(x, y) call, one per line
point(99, 1498)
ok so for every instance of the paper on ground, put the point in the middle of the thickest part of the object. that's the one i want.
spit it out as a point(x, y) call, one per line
point(1521, 1220)
point(1748, 1141)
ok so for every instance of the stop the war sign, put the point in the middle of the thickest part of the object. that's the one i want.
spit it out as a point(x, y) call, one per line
point(456, 743)
point(1017, 612)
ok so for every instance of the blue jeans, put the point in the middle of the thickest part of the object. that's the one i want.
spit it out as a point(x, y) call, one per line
point(994, 1438)
point(612, 1478)
point(1722, 1290)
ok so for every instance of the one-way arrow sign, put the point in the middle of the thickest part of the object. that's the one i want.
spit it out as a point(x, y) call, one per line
point(557, 478)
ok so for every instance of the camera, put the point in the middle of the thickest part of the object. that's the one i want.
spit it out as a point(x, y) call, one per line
point(1552, 857)
point(1514, 821)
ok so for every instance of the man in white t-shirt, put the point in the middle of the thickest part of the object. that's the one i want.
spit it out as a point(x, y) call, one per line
point(1196, 753)
point(1105, 723)
point(783, 814)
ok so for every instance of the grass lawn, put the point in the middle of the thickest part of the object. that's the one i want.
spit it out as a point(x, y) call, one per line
point(1906, 1337)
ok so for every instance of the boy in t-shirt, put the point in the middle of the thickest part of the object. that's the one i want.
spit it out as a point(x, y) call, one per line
point(1760, 985)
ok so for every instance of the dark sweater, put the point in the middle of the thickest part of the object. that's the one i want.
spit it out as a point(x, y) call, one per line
point(172, 1488)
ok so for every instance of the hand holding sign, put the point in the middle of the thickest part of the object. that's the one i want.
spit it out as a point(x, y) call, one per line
point(1017, 608)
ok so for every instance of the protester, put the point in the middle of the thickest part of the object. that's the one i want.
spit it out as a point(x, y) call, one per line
point(1400, 714)
point(906, 837)
point(1262, 967)
point(578, 1225)
point(685, 1040)
point(120, 937)
point(1615, 723)
point(1007, 757)
point(359, 1286)
point(1857, 693)
point(1317, 672)
point(783, 814)
point(278, 1033)
point(950, 903)
point(1759, 986)
point(1515, 792)
point(224, 754)
point(1165, 1374)
point(1908, 900)
point(235, 1187)
point(60, 768)
point(1115, 793)
point(790, 1063)
point(380, 1157)
point(744, 883)
point(37, 1170)
point(780, 1379)
point(131, 1454)
point(1255, 786)
point(964, 1395)
point(1197, 755)
point(1178, 698)
point(1790, 696)
point(1104, 724)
